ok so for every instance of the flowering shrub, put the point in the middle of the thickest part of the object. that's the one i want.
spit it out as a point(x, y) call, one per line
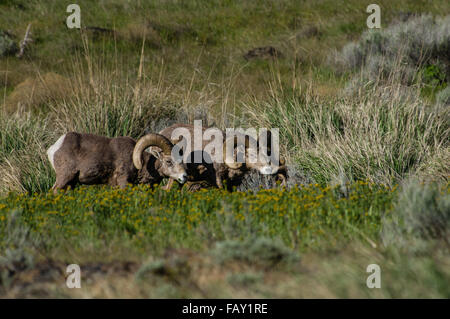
point(153, 217)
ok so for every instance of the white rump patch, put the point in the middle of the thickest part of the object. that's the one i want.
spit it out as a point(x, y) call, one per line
point(52, 149)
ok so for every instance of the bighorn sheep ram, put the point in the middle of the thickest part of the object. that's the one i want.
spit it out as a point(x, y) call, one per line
point(92, 159)
point(202, 175)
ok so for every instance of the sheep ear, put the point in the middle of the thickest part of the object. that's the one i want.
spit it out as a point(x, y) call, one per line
point(156, 153)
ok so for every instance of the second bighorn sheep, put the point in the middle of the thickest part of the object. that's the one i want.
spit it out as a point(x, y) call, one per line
point(92, 159)
point(214, 174)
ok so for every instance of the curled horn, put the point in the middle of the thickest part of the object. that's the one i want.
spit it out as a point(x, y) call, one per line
point(151, 139)
point(229, 161)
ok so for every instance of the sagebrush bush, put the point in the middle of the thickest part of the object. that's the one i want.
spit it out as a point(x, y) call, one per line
point(418, 41)
point(17, 248)
point(7, 44)
point(406, 52)
point(443, 97)
point(421, 213)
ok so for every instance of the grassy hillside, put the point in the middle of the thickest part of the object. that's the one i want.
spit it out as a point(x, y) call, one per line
point(198, 44)
point(364, 124)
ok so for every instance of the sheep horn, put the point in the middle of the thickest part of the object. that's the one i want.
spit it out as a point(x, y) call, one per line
point(230, 161)
point(151, 139)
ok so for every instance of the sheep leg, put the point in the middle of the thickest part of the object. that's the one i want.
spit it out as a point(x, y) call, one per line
point(219, 181)
point(64, 180)
point(122, 181)
point(282, 179)
point(282, 175)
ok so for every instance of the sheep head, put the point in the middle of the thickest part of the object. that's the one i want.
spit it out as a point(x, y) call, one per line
point(165, 163)
point(248, 150)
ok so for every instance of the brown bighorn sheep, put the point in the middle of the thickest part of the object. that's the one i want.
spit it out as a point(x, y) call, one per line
point(214, 174)
point(92, 159)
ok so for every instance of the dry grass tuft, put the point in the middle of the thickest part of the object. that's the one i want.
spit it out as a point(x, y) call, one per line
point(36, 91)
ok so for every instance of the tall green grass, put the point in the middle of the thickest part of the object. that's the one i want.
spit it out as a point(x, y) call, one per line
point(384, 133)
point(24, 165)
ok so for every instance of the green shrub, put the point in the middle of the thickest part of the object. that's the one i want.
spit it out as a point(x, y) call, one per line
point(7, 44)
point(434, 75)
